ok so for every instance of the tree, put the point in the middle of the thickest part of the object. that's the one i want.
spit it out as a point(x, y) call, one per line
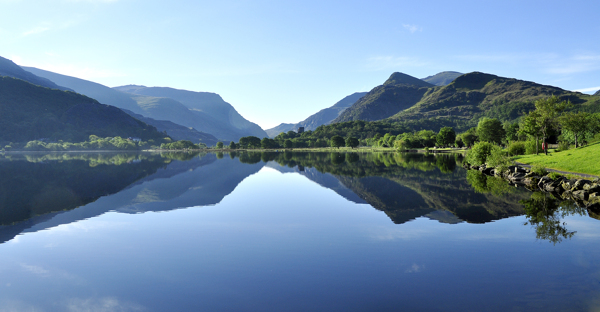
point(446, 136)
point(337, 141)
point(549, 110)
point(531, 127)
point(512, 131)
point(249, 142)
point(267, 143)
point(288, 143)
point(352, 142)
point(577, 123)
point(490, 130)
point(232, 145)
point(219, 145)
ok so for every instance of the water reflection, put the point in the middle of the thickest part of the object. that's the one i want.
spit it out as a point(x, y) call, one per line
point(38, 191)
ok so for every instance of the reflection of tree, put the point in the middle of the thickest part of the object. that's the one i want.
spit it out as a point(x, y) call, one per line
point(482, 183)
point(545, 214)
point(445, 163)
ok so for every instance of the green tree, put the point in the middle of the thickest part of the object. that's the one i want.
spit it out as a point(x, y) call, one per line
point(490, 130)
point(219, 145)
point(479, 153)
point(549, 110)
point(530, 126)
point(267, 143)
point(446, 137)
point(288, 143)
point(352, 142)
point(232, 145)
point(337, 141)
point(577, 123)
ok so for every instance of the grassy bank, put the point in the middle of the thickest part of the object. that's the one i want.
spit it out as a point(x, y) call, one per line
point(580, 160)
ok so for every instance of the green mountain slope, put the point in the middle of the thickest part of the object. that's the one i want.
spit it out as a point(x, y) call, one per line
point(322, 117)
point(10, 69)
point(148, 106)
point(597, 92)
point(443, 78)
point(398, 93)
point(29, 112)
point(474, 95)
point(204, 102)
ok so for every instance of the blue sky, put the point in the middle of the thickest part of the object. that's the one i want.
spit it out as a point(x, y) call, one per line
point(281, 61)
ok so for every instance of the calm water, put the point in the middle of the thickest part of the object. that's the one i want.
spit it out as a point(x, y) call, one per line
point(285, 232)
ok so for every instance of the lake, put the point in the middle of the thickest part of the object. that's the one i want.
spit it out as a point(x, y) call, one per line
point(285, 232)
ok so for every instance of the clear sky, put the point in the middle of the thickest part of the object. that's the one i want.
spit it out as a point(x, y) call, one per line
point(281, 61)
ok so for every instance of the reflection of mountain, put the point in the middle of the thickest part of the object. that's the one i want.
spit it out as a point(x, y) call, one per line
point(325, 180)
point(408, 186)
point(136, 187)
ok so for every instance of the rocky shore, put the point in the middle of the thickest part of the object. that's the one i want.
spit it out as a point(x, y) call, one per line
point(585, 193)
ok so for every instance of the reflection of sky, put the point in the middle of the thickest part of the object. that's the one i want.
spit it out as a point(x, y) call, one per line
point(280, 242)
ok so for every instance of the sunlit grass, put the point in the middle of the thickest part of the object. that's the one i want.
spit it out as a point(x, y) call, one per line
point(580, 160)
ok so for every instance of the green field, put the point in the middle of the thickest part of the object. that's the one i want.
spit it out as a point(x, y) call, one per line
point(580, 160)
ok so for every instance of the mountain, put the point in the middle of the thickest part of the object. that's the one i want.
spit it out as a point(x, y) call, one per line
point(398, 93)
point(597, 92)
point(10, 69)
point(323, 117)
point(443, 78)
point(158, 108)
point(175, 131)
point(29, 112)
point(477, 94)
point(201, 102)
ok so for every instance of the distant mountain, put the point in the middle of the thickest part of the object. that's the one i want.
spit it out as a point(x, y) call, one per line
point(323, 117)
point(29, 112)
point(158, 108)
point(398, 93)
point(175, 131)
point(10, 69)
point(283, 127)
point(443, 78)
point(597, 92)
point(404, 79)
point(201, 102)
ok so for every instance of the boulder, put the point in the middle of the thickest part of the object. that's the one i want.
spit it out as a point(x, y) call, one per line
point(579, 184)
point(543, 181)
point(581, 195)
point(592, 187)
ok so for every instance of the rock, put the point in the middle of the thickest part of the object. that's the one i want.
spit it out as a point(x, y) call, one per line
point(543, 181)
point(567, 185)
point(581, 195)
point(594, 201)
point(488, 171)
point(592, 195)
point(579, 184)
point(566, 195)
point(475, 167)
point(592, 187)
point(531, 181)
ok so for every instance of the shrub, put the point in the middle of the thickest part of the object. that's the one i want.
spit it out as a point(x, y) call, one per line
point(516, 148)
point(530, 147)
point(479, 153)
point(554, 175)
point(498, 159)
point(539, 170)
point(562, 146)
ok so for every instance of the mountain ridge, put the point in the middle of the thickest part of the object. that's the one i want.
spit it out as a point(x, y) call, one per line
point(10, 69)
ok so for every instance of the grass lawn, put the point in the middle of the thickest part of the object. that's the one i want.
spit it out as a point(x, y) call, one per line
point(582, 160)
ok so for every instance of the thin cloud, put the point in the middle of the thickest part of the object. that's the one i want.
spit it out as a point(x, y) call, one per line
point(36, 30)
point(412, 28)
point(393, 62)
point(415, 268)
point(593, 89)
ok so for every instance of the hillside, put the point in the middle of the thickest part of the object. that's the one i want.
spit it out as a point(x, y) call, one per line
point(207, 103)
point(597, 92)
point(29, 112)
point(474, 95)
point(443, 78)
point(322, 117)
point(175, 131)
point(398, 93)
point(147, 106)
point(10, 69)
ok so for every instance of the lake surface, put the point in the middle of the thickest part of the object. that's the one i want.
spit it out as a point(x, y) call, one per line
point(285, 232)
